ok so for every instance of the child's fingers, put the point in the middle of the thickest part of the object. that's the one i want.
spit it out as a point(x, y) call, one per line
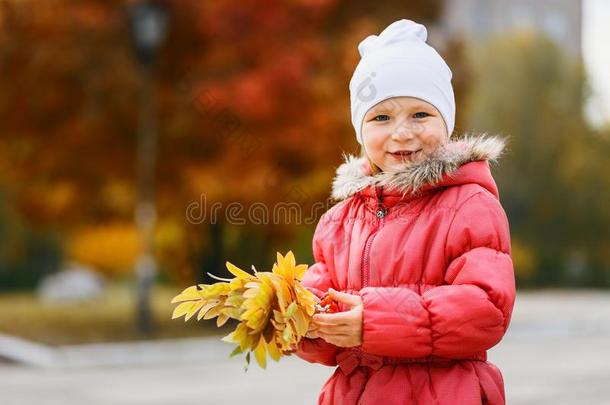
point(334, 328)
point(350, 299)
point(312, 331)
point(323, 334)
point(333, 331)
point(339, 318)
point(312, 326)
point(332, 324)
point(337, 340)
point(313, 334)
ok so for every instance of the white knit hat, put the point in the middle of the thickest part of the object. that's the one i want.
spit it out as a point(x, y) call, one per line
point(398, 62)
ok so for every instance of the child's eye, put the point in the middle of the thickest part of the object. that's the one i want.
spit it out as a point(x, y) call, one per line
point(383, 117)
point(422, 114)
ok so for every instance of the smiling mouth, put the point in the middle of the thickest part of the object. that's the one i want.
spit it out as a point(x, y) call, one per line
point(404, 154)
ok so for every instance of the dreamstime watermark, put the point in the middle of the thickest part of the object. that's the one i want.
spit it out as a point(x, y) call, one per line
point(280, 213)
point(256, 213)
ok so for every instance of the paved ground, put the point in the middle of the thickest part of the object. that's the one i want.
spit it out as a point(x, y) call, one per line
point(557, 351)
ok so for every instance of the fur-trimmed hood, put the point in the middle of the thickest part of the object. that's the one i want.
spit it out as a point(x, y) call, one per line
point(355, 173)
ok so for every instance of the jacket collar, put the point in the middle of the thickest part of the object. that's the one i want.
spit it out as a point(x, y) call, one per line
point(447, 166)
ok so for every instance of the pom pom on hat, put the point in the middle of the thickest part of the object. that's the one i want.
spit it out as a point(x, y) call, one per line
point(399, 62)
point(395, 33)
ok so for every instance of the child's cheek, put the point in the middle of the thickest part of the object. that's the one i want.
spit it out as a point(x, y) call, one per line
point(374, 142)
point(376, 137)
point(430, 140)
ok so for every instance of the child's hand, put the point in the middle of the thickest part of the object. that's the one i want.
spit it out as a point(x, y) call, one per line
point(342, 329)
point(312, 332)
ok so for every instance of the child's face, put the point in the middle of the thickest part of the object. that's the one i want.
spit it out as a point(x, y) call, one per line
point(402, 124)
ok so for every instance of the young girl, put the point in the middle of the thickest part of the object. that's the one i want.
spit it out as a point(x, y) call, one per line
point(417, 252)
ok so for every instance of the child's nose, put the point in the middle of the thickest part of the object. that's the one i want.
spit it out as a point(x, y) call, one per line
point(402, 131)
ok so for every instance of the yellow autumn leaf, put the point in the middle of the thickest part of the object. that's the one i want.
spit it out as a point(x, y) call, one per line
point(237, 272)
point(274, 351)
point(195, 307)
point(251, 292)
point(221, 320)
point(300, 270)
point(212, 312)
point(216, 290)
point(235, 300)
point(206, 307)
point(302, 324)
point(231, 312)
point(260, 353)
point(182, 309)
point(290, 259)
point(190, 293)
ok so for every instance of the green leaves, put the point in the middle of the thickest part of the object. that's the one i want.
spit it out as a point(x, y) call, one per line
point(291, 309)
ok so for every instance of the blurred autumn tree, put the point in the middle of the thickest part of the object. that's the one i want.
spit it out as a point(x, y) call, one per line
point(253, 105)
point(555, 182)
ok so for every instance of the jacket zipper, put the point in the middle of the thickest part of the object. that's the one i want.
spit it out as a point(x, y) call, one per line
point(380, 213)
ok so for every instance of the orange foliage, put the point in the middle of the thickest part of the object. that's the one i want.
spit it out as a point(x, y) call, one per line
point(110, 248)
point(252, 99)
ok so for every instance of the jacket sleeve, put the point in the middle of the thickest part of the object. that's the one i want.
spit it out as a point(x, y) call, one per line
point(467, 315)
point(317, 280)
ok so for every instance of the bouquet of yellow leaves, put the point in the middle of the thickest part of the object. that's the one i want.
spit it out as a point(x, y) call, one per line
point(273, 308)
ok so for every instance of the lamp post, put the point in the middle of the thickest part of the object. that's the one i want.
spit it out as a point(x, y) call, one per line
point(148, 22)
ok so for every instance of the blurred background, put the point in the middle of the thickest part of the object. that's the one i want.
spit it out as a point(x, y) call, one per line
point(143, 143)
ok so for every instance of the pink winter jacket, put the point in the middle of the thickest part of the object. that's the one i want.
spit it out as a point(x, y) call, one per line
point(428, 250)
